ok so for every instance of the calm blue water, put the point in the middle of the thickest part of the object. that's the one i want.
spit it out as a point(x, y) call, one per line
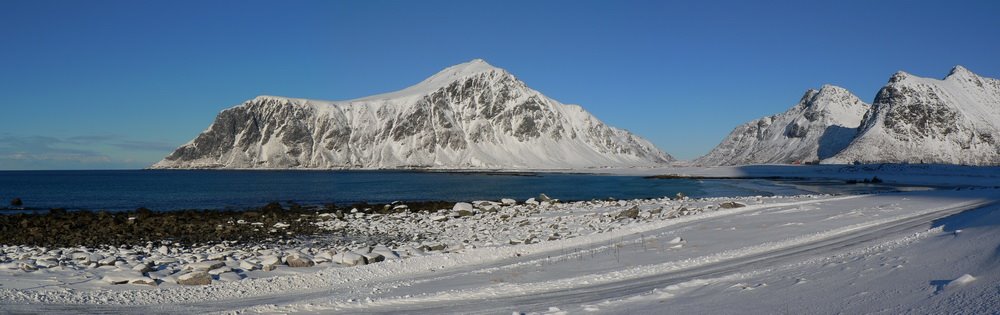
point(215, 189)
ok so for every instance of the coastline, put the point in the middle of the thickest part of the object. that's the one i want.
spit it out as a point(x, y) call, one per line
point(348, 255)
point(430, 247)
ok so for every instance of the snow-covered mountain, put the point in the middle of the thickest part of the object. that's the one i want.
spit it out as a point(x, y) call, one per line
point(468, 116)
point(921, 120)
point(819, 126)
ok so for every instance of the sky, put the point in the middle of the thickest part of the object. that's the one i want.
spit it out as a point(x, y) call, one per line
point(120, 84)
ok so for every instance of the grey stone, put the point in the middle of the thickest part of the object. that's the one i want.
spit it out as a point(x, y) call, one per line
point(195, 278)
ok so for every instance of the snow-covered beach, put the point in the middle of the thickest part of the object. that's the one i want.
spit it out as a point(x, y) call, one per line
point(887, 252)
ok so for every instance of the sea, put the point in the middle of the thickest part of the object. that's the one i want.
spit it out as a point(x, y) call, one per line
point(166, 190)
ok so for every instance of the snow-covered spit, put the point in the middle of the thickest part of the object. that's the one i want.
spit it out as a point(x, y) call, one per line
point(912, 120)
point(468, 116)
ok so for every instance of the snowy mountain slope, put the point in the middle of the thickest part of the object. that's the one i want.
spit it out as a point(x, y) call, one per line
point(819, 126)
point(471, 115)
point(921, 120)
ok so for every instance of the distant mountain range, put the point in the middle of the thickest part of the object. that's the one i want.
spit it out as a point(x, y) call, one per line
point(912, 120)
point(476, 116)
point(468, 116)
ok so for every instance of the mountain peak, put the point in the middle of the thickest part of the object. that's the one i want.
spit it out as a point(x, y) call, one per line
point(960, 72)
point(465, 69)
point(269, 97)
point(899, 76)
point(830, 88)
point(468, 116)
point(807, 97)
point(441, 79)
point(821, 124)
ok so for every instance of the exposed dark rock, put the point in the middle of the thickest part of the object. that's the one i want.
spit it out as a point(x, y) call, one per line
point(630, 213)
point(195, 278)
point(299, 261)
point(731, 205)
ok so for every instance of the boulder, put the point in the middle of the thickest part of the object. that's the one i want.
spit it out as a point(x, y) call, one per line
point(462, 206)
point(205, 265)
point(143, 281)
point(350, 259)
point(435, 247)
point(411, 251)
point(543, 198)
point(164, 260)
point(164, 275)
point(324, 256)
point(220, 270)
point(123, 277)
point(508, 201)
point(630, 213)
point(248, 266)
point(87, 258)
point(143, 267)
point(195, 278)
point(297, 261)
point(109, 261)
point(270, 262)
point(45, 263)
point(28, 265)
point(531, 201)
point(385, 252)
point(219, 256)
point(374, 257)
point(731, 205)
point(488, 206)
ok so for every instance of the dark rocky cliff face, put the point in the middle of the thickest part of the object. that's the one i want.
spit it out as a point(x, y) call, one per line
point(926, 116)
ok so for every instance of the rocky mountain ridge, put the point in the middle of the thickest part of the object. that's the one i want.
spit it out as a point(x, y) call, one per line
point(822, 123)
point(468, 116)
point(955, 120)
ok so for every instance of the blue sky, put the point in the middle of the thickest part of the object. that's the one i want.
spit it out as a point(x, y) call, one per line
point(119, 84)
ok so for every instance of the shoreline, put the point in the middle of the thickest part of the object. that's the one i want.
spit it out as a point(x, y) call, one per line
point(494, 239)
point(813, 184)
point(391, 233)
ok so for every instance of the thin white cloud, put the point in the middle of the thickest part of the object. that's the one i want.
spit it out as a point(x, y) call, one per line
point(86, 151)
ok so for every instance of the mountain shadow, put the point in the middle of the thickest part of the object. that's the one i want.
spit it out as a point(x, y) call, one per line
point(834, 139)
